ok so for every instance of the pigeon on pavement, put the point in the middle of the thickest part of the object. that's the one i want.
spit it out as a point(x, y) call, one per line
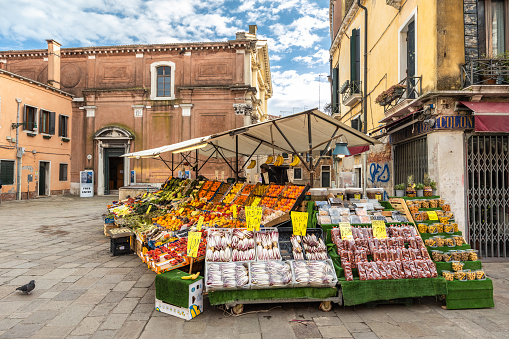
point(26, 289)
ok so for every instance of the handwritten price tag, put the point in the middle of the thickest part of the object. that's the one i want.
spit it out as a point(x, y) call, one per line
point(299, 222)
point(253, 218)
point(181, 210)
point(193, 243)
point(432, 215)
point(200, 223)
point(378, 196)
point(346, 230)
point(357, 196)
point(379, 230)
point(234, 209)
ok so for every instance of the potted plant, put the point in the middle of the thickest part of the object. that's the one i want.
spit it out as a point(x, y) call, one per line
point(388, 96)
point(400, 190)
point(434, 187)
point(410, 189)
point(428, 191)
point(419, 189)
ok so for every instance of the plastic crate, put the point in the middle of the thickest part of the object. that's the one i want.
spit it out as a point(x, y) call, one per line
point(120, 246)
point(285, 245)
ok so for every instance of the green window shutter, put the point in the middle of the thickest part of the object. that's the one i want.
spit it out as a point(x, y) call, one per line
point(335, 89)
point(52, 123)
point(25, 117)
point(7, 172)
point(353, 58)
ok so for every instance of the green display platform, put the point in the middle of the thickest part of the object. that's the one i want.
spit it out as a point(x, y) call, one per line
point(360, 292)
point(469, 294)
point(171, 289)
point(425, 236)
point(468, 265)
point(224, 297)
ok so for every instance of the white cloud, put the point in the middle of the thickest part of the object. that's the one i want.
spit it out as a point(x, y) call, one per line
point(320, 58)
point(294, 92)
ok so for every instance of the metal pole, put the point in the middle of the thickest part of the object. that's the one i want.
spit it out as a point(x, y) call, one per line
point(172, 168)
point(196, 168)
point(236, 157)
point(18, 157)
point(310, 154)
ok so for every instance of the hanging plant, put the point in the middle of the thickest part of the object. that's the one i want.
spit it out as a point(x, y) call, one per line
point(386, 97)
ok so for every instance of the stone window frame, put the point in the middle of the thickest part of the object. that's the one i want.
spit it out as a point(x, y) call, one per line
point(402, 52)
point(60, 178)
point(153, 80)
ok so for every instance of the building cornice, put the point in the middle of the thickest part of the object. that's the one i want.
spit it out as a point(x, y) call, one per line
point(347, 20)
point(34, 82)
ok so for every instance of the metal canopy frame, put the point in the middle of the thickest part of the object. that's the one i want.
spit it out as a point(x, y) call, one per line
point(291, 133)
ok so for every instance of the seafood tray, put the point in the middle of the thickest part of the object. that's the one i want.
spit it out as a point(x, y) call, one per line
point(286, 246)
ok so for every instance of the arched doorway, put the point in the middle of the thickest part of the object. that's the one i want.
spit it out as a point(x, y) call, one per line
point(113, 171)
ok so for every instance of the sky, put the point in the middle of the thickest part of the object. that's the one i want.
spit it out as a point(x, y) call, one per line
point(297, 32)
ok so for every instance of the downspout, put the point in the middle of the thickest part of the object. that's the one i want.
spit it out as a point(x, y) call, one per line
point(365, 81)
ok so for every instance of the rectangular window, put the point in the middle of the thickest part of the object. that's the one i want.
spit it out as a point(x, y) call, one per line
point(7, 172)
point(164, 81)
point(355, 60)
point(497, 30)
point(44, 121)
point(29, 118)
point(356, 123)
point(297, 173)
point(335, 90)
point(63, 126)
point(62, 176)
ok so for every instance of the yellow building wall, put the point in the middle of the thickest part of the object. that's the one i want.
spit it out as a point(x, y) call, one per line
point(52, 150)
point(384, 23)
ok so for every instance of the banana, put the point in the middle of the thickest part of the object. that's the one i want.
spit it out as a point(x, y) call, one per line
point(252, 164)
point(295, 161)
point(190, 277)
point(270, 160)
point(279, 160)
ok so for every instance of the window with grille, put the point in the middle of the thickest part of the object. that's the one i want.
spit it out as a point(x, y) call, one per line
point(7, 172)
point(411, 158)
point(62, 176)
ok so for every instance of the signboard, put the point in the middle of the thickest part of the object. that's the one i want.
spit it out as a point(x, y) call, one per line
point(299, 222)
point(86, 184)
point(432, 215)
point(193, 243)
point(379, 230)
point(346, 230)
point(445, 122)
point(133, 177)
point(253, 218)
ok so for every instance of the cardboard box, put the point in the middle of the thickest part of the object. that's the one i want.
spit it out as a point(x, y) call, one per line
point(195, 302)
point(108, 227)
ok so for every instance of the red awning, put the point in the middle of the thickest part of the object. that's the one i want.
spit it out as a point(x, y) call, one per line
point(358, 149)
point(490, 116)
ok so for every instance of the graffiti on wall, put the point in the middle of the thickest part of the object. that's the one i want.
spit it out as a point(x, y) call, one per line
point(379, 174)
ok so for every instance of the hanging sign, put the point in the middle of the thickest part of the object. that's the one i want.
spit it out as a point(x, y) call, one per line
point(379, 230)
point(432, 215)
point(346, 230)
point(253, 218)
point(193, 243)
point(299, 222)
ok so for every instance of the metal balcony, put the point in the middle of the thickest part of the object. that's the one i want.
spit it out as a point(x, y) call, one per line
point(351, 92)
point(412, 90)
point(485, 72)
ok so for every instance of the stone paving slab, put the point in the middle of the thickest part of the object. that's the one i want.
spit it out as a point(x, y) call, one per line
point(82, 291)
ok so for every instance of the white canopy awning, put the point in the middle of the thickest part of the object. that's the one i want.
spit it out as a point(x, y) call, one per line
point(290, 134)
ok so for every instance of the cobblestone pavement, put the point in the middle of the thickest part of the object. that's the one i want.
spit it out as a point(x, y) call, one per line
point(84, 292)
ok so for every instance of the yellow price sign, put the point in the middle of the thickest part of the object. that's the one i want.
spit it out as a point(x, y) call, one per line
point(432, 215)
point(253, 217)
point(181, 210)
point(148, 209)
point(234, 209)
point(378, 196)
point(200, 223)
point(379, 230)
point(193, 243)
point(299, 222)
point(346, 230)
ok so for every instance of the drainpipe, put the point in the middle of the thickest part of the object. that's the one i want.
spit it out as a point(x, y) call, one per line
point(18, 157)
point(365, 90)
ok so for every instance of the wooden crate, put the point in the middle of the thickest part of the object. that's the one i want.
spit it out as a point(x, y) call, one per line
point(109, 227)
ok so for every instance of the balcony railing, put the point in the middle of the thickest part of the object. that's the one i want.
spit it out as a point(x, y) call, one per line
point(350, 92)
point(412, 90)
point(485, 72)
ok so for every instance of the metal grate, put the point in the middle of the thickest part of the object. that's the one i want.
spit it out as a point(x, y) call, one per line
point(411, 158)
point(488, 193)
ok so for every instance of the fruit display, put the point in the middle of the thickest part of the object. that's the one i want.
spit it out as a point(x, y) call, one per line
point(268, 202)
point(247, 189)
point(259, 190)
point(241, 200)
point(228, 199)
point(293, 191)
point(284, 204)
point(274, 190)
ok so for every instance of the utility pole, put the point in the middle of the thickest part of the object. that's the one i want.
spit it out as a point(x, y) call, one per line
point(18, 157)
